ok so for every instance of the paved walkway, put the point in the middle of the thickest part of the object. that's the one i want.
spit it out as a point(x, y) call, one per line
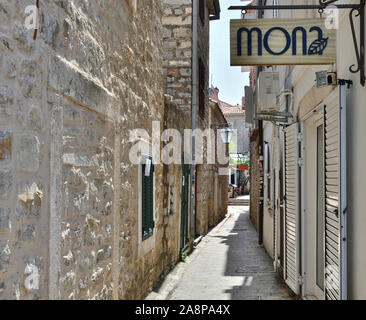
point(229, 265)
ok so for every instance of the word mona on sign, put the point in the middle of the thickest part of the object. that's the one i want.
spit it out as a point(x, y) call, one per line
point(281, 42)
point(316, 47)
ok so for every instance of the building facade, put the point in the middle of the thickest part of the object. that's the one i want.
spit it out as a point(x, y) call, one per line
point(186, 66)
point(239, 146)
point(312, 176)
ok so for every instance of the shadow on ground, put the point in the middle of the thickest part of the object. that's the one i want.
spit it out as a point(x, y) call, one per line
point(250, 263)
point(230, 265)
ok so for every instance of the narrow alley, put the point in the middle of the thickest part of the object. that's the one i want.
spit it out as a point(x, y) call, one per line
point(182, 150)
point(235, 266)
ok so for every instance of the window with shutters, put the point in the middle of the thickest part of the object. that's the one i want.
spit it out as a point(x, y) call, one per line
point(147, 175)
point(202, 89)
point(202, 13)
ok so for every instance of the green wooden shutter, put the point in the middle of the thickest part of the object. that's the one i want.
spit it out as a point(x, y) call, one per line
point(147, 203)
point(186, 169)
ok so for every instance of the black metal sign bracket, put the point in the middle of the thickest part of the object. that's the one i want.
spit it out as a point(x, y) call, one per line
point(357, 10)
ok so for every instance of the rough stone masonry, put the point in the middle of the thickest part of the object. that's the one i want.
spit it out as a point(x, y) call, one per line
point(69, 196)
point(68, 193)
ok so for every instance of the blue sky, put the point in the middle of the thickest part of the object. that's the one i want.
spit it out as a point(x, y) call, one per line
point(230, 80)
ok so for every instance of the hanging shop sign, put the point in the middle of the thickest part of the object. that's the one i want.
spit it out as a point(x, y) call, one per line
point(243, 167)
point(256, 42)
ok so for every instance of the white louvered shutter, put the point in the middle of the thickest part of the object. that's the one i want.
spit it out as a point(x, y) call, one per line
point(291, 208)
point(335, 195)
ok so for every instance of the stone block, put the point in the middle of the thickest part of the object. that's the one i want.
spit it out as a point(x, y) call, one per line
point(5, 11)
point(5, 145)
point(23, 36)
point(6, 44)
point(76, 84)
point(4, 218)
point(6, 100)
point(72, 115)
point(49, 29)
point(104, 253)
point(35, 118)
point(26, 234)
point(68, 259)
point(97, 275)
point(79, 202)
point(76, 179)
point(28, 154)
point(91, 230)
point(177, 21)
point(2, 287)
point(182, 32)
point(72, 159)
point(86, 262)
point(29, 79)
point(186, 72)
point(29, 200)
point(6, 182)
point(10, 67)
point(4, 258)
point(173, 72)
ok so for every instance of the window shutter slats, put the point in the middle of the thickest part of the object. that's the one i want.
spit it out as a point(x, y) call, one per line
point(147, 203)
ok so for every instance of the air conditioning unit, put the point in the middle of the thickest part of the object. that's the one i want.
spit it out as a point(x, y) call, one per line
point(268, 90)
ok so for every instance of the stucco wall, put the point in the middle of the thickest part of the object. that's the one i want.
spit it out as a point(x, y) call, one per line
point(254, 179)
point(307, 97)
point(356, 173)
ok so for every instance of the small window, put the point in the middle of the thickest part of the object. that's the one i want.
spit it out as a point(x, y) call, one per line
point(202, 13)
point(147, 175)
point(202, 88)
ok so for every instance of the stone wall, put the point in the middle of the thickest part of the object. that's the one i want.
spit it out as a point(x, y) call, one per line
point(68, 193)
point(179, 119)
point(177, 22)
point(177, 28)
point(204, 192)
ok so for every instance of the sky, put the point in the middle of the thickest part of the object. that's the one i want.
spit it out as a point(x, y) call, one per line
point(229, 80)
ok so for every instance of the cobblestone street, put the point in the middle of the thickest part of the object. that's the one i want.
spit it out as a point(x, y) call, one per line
point(228, 264)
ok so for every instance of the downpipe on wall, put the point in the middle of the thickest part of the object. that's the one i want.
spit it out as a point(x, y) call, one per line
point(194, 110)
point(261, 153)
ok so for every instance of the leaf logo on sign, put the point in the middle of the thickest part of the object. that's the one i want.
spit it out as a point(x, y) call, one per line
point(318, 46)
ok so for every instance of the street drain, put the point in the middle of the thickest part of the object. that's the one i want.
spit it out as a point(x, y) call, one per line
point(239, 229)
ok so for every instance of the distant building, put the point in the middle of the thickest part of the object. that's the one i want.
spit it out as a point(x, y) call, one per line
point(235, 115)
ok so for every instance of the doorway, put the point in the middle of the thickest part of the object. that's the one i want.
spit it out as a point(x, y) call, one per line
point(313, 213)
point(184, 206)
